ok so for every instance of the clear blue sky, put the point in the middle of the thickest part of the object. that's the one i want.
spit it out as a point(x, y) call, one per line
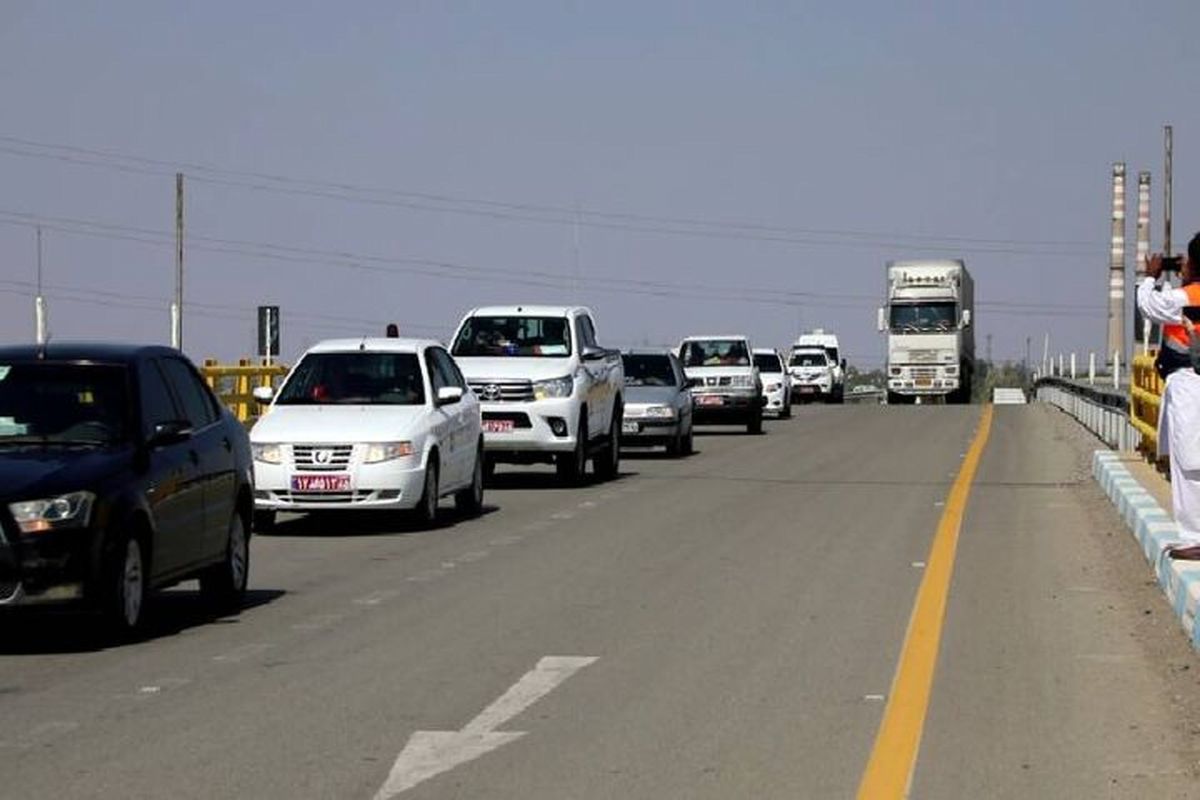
point(980, 130)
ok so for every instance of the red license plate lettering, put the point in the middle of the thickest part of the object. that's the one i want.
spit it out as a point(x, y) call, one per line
point(320, 483)
point(498, 425)
point(708, 400)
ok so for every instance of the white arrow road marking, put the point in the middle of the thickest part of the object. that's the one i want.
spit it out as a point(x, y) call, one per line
point(430, 753)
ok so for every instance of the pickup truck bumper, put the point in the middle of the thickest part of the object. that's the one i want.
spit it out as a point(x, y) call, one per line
point(718, 407)
point(542, 426)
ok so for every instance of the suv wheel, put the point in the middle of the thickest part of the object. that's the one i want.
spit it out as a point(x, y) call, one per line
point(572, 467)
point(755, 424)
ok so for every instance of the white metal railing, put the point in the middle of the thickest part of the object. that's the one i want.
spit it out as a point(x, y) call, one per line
point(1106, 415)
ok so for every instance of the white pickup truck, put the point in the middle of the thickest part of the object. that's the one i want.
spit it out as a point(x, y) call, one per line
point(548, 392)
point(726, 386)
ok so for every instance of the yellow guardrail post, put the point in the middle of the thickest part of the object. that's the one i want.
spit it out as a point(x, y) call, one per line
point(235, 385)
point(1145, 397)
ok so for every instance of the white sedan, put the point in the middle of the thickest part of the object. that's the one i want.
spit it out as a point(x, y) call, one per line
point(369, 424)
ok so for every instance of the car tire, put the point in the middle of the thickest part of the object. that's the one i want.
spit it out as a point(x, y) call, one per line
point(223, 585)
point(608, 462)
point(264, 522)
point(689, 441)
point(675, 445)
point(426, 510)
point(127, 591)
point(787, 409)
point(572, 466)
point(489, 468)
point(755, 424)
point(469, 501)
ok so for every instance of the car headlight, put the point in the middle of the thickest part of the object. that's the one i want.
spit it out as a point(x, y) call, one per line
point(660, 412)
point(555, 387)
point(54, 513)
point(744, 381)
point(267, 453)
point(386, 451)
point(774, 387)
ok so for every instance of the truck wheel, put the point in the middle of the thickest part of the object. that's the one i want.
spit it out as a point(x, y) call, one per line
point(608, 462)
point(755, 425)
point(572, 467)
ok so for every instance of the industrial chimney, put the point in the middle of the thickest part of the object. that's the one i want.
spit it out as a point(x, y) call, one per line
point(1116, 267)
point(1141, 327)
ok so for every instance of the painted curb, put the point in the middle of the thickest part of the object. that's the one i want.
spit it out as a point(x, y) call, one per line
point(1155, 531)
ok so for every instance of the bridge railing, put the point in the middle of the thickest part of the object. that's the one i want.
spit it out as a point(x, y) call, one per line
point(235, 384)
point(1101, 409)
point(1145, 396)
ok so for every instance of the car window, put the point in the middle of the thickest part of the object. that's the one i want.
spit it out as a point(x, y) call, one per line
point(63, 403)
point(680, 377)
point(446, 368)
point(437, 373)
point(459, 380)
point(648, 370)
point(768, 362)
point(157, 405)
point(355, 378)
point(190, 391)
point(587, 332)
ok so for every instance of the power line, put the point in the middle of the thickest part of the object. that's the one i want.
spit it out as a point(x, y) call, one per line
point(531, 212)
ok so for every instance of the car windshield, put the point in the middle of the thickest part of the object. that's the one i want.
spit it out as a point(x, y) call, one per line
point(648, 370)
point(715, 353)
point(809, 360)
point(80, 404)
point(768, 362)
point(514, 336)
point(923, 317)
point(356, 378)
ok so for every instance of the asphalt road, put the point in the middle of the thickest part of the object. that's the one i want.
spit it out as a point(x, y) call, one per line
point(725, 626)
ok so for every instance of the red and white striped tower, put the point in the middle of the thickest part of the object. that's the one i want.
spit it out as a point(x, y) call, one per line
point(1116, 266)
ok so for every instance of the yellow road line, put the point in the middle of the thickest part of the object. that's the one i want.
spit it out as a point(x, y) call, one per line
point(889, 772)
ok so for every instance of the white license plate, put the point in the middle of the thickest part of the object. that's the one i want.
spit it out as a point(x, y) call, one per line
point(320, 483)
point(498, 425)
point(806, 389)
point(630, 427)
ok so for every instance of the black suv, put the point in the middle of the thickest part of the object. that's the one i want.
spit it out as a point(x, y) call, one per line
point(120, 473)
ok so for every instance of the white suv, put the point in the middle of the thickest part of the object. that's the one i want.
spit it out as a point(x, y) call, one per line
point(368, 424)
point(549, 392)
point(726, 387)
point(812, 374)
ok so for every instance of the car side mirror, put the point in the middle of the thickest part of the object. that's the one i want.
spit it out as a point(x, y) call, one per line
point(843, 365)
point(590, 353)
point(264, 394)
point(449, 395)
point(966, 318)
point(170, 432)
point(881, 320)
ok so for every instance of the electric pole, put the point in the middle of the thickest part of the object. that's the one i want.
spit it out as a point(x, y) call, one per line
point(177, 306)
point(39, 301)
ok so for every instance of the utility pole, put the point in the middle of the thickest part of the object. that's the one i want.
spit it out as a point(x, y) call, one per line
point(1045, 353)
point(989, 349)
point(1168, 147)
point(1116, 263)
point(1025, 368)
point(177, 306)
point(39, 301)
point(575, 251)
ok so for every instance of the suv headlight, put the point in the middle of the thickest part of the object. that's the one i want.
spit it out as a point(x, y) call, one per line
point(377, 452)
point(660, 412)
point(745, 381)
point(555, 387)
point(53, 513)
point(267, 453)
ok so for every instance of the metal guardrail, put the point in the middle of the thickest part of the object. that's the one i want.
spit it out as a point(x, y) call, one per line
point(1145, 395)
point(235, 384)
point(1102, 410)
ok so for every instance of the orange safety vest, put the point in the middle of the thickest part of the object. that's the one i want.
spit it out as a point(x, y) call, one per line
point(1176, 336)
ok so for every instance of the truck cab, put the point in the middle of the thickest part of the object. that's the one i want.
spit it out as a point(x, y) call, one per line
point(549, 393)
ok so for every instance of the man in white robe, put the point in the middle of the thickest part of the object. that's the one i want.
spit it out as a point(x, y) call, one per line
point(1179, 409)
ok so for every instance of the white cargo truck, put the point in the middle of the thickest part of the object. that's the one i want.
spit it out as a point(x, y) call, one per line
point(931, 342)
point(821, 340)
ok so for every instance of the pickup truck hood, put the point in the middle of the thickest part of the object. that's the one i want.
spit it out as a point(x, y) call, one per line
point(515, 368)
point(337, 424)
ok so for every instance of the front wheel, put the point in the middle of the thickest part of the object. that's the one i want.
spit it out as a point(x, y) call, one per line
point(755, 424)
point(224, 584)
point(608, 462)
point(469, 501)
point(125, 605)
point(572, 466)
point(426, 510)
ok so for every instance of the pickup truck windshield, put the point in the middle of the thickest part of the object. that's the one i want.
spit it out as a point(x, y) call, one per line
point(514, 336)
point(358, 378)
point(77, 404)
point(648, 370)
point(924, 318)
point(809, 360)
point(768, 362)
point(715, 353)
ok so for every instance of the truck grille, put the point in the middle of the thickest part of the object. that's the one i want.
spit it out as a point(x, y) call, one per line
point(920, 373)
point(718, 380)
point(322, 457)
point(923, 355)
point(503, 391)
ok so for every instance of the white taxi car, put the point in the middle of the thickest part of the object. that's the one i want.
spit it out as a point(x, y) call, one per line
point(369, 424)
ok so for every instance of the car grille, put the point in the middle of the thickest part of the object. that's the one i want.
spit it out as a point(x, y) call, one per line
point(325, 497)
point(503, 391)
point(322, 457)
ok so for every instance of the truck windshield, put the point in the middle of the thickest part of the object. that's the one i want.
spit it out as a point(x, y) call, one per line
point(715, 353)
point(514, 336)
point(809, 360)
point(357, 378)
point(924, 318)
